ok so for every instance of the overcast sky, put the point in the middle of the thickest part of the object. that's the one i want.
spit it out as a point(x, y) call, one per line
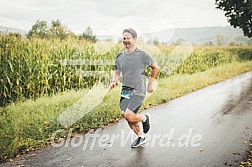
point(111, 16)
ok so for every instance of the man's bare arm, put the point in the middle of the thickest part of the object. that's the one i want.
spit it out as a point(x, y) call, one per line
point(154, 74)
point(116, 78)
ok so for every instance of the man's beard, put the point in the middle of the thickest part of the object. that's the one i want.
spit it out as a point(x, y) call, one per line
point(127, 44)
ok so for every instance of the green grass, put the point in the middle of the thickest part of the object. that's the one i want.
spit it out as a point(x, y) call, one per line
point(27, 125)
point(172, 87)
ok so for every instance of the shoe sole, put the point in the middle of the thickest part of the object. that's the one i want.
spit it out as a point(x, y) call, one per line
point(139, 144)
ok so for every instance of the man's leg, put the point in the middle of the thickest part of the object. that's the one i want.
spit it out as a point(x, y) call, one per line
point(136, 128)
point(131, 107)
point(133, 119)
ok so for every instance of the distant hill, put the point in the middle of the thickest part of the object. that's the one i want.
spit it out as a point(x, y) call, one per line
point(195, 36)
point(5, 30)
point(199, 35)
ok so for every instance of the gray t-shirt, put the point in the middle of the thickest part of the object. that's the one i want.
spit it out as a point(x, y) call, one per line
point(133, 68)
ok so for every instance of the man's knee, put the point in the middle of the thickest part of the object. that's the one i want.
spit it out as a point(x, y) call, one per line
point(129, 116)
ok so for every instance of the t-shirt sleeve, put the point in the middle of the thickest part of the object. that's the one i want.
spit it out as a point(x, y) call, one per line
point(148, 59)
point(117, 63)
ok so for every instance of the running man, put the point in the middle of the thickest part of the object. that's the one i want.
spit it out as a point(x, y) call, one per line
point(132, 63)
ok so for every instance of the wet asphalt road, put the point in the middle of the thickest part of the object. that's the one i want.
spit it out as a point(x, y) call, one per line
point(210, 127)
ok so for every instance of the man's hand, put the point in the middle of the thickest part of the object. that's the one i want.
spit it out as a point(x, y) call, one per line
point(112, 85)
point(150, 85)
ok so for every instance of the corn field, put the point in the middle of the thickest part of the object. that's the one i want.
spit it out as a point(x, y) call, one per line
point(32, 68)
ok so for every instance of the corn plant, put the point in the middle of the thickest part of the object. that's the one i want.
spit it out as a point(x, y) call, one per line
point(36, 67)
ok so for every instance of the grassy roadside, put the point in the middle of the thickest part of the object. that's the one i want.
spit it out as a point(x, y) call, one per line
point(27, 125)
point(176, 86)
point(248, 159)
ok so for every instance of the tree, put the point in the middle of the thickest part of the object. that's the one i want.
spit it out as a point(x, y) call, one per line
point(58, 30)
point(220, 39)
point(208, 43)
point(156, 41)
point(150, 41)
point(232, 43)
point(178, 42)
point(249, 42)
point(39, 30)
point(239, 13)
point(88, 35)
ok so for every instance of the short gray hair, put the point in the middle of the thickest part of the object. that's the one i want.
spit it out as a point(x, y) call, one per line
point(131, 31)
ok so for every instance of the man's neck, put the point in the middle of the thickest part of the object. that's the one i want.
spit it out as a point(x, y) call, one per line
point(131, 49)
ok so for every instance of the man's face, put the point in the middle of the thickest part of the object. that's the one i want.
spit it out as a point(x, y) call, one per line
point(128, 40)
